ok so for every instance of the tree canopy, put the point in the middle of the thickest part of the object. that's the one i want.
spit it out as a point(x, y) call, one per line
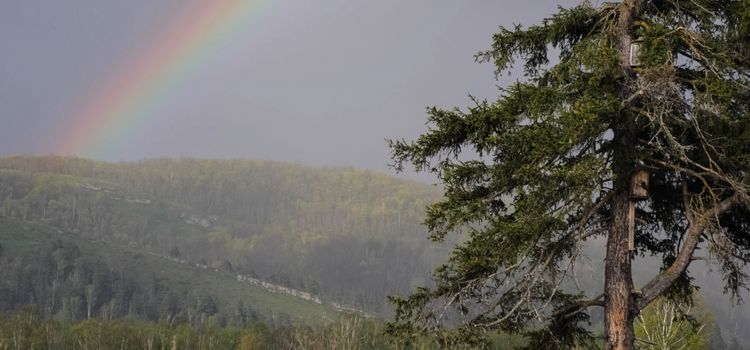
point(610, 92)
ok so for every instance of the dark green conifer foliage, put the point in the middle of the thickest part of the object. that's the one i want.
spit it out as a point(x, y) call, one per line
point(533, 175)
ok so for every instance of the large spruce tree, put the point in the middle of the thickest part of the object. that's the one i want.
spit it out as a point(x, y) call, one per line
point(638, 130)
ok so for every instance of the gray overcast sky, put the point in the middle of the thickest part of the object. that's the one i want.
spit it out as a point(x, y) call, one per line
point(320, 82)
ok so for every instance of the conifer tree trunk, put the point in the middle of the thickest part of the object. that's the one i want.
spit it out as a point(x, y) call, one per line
point(619, 311)
point(620, 307)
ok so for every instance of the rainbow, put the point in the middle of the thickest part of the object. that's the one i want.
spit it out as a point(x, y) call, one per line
point(113, 111)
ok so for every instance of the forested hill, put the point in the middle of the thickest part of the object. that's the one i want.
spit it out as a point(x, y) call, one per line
point(186, 240)
point(349, 236)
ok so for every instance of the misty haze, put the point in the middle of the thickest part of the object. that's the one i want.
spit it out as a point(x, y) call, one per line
point(330, 174)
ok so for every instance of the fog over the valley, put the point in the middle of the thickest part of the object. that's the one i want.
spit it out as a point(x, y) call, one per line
point(313, 82)
point(319, 82)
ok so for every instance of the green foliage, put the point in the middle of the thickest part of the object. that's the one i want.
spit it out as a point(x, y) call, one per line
point(540, 166)
point(534, 174)
point(27, 329)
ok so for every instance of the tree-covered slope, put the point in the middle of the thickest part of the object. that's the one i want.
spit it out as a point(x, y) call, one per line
point(347, 235)
point(71, 277)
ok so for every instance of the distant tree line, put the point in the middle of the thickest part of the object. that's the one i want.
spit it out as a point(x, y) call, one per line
point(27, 329)
point(66, 285)
point(347, 235)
